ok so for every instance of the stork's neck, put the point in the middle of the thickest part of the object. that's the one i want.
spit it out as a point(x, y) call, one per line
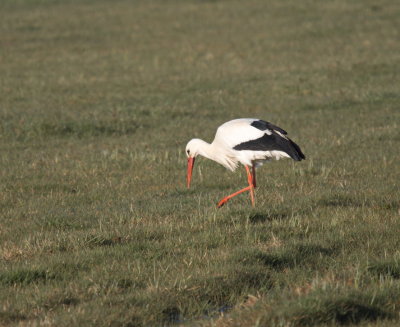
point(205, 149)
point(216, 153)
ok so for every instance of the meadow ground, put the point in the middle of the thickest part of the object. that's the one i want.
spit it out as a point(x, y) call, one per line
point(98, 100)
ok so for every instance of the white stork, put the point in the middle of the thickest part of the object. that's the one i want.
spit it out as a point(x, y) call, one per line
point(248, 141)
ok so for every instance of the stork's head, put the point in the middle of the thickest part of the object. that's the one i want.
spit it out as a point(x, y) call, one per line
point(193, 148)
point(192, 151)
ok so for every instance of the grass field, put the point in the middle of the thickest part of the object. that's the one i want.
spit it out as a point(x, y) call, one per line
point(97, 102)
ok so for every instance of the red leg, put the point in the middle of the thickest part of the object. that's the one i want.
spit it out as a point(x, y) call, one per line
point(248, 188)
point(225, 199)
point(251, 185)
point(253, 170)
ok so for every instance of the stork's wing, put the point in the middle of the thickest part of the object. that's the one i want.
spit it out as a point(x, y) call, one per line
point(273, 142)
point(256, 135)
point(264, 125)
point(237, 131)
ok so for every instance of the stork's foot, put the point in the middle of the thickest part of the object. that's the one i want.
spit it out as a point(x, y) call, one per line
point(222, 202)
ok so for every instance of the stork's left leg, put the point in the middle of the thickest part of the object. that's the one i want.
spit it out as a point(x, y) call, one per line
point(248, 188)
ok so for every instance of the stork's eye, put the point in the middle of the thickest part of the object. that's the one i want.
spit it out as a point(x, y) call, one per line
point(188, 151)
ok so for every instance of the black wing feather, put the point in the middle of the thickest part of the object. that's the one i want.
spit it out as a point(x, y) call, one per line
point(263, 125)
point(273, 142)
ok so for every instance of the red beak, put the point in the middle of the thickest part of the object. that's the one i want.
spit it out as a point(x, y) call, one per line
point(189, 170)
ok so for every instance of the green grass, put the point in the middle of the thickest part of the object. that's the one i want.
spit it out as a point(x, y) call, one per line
point(98, 100)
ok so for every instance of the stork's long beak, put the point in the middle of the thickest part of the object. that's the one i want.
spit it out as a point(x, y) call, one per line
point(189, 170)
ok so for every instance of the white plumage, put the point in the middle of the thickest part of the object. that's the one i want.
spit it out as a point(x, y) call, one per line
point(249, 141)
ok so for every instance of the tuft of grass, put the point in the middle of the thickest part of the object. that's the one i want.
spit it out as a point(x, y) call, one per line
point(25, 277)
point(341, 200)
point(60, 301)
point(7, 317)
point(318, 308)
point(350, 309)
point(386, 268)
point(101, 240)
point(298, 255)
